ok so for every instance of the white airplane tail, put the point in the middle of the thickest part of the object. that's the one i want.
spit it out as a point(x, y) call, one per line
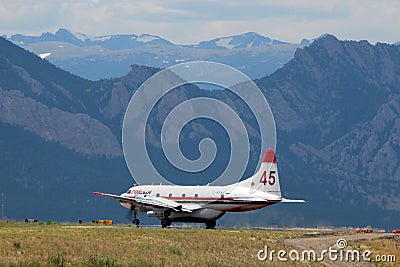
point(266, 178)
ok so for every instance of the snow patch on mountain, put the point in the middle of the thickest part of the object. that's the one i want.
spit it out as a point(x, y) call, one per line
point(246, 40)
point(145, 38)
point(225, 42)
point(100, 38)
point(80, 36)
point(44, 55)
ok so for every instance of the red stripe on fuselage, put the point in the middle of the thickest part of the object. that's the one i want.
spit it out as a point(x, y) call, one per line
point(211, 199)
point(198, 198)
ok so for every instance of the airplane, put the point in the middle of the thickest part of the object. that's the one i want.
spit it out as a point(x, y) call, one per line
point(205, 204)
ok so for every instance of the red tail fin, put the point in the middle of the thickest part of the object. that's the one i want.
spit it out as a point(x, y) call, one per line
point(266, 178)
point(269, 156)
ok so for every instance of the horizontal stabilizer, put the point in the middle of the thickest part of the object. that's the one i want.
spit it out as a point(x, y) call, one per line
point(286, 200)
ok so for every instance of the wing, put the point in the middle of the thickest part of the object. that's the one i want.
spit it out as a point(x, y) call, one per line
point(155, 202)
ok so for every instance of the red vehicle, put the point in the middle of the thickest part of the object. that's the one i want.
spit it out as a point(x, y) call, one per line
point(396, 231)
point(364, 230)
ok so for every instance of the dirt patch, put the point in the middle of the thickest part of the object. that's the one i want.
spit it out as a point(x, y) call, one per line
point(324, 242)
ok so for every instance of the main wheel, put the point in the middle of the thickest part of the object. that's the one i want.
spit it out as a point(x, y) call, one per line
point(136, 221)
point(211, 224)
point(165, 222)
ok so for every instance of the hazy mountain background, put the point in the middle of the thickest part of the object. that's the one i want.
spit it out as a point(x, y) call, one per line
point(112, 55)
point(336, 105)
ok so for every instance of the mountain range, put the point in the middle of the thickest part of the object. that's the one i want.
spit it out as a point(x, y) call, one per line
point(336, 105)
point(126, 41)
point(108, 56)
point(112, 42)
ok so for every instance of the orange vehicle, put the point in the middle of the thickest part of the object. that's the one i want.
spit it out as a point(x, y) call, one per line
point(103, 222)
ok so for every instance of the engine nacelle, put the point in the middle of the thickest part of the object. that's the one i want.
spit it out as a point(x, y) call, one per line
point(155, 213)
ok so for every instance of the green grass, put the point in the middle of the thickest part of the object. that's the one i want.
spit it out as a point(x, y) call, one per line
point(56, 245)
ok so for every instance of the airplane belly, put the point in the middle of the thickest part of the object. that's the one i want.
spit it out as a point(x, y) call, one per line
point(247, 207)
point(196, 216)
point(237, 207)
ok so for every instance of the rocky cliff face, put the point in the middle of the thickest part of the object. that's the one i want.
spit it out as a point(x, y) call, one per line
point(75, 131)
point(334, 84)
point(61, 107)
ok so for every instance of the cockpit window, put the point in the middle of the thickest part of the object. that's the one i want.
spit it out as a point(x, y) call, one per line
point(129, 191)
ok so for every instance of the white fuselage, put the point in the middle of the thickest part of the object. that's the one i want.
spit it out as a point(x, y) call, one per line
point(173, 203)
point(208, 202)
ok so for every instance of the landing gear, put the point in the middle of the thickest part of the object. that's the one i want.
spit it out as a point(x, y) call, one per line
point(211, 224)
point(165, 222)
point(133, 214)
